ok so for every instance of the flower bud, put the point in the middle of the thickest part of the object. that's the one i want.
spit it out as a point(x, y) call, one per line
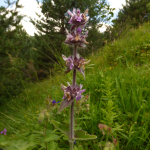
point(87, 96)
point(41, 117)
point(46, 102)
point(88, 107)
point(47, 114)
point(105, 127)
point(115, 142)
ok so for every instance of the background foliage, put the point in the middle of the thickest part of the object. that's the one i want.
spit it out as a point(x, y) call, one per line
point(117, 82)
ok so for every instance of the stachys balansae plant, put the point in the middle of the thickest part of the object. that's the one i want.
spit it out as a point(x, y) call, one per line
point(74, 63)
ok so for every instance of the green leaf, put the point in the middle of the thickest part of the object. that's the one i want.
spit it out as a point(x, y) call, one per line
point(81, 135)
point(3, 141)
point(22, 145)
point(103, 16)
point(65, 103)
point(50, 136)
point(106, 148)
point(63, 128)
point(53, 146)
point(11, 148)
point(112, 14)
point(78, 148)
point(75, 148)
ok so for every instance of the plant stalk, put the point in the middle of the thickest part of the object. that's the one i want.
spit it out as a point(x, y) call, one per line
point(72, 107)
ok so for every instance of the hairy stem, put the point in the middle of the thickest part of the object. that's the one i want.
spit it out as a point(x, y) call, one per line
point(72, 107)
point(71, 145)
point(45, 132)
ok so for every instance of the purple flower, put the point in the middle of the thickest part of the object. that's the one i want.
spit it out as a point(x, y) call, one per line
point(78, 19)
point(79, 31)
point(54, 102)
point(77, 62)
point(70, 93)
point(3, 132)
point(76, 38)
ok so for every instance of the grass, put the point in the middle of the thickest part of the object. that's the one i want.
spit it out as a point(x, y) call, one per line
point(119, 97)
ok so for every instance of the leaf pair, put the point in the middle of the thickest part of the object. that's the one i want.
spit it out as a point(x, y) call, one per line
point(79, 134)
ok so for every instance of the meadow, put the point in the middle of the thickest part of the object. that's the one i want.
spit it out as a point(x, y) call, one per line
point(115, 106)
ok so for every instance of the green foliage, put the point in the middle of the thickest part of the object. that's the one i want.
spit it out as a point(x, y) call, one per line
point(63, 128)
point(8, 46)
point(78, 148)
point(119, 97)
point(132, 15)
point(148, 7)
point(133, 11)
point(82, 135)
point(16, 54)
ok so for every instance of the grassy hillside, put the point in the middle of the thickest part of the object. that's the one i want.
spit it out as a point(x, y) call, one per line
point(117, 95)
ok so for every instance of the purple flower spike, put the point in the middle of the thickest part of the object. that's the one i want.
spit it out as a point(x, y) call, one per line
point(78, 12)
point(77, 18)
point(70, 13)
point(78, 63)
point(78, 97)
point(70, 93)
point(76, 38)
point(3, 132)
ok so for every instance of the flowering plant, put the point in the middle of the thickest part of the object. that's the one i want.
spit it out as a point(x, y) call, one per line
point(73, 91)
point(3, 132)
point(76, 62)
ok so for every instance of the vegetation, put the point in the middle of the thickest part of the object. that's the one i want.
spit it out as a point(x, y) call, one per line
point(24, 58)
point(118, 97)
point(115, 105)
point(11, 44)
point(133, 14)
point(54, 20)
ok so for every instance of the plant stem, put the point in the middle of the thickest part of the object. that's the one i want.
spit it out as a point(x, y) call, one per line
point(72, 107)
point(45, 132)
point(71, 145)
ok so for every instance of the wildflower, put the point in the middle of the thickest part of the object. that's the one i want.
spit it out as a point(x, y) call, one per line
point(104, 128)
point(3, 132)
point(54, 102)
point(115, 142)
point(76, 62)
point(76, 38)
point(78, 19)
point(70, 93)
point(41, 117)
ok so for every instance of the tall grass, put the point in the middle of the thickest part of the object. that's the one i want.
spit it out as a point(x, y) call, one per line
point(119, 97)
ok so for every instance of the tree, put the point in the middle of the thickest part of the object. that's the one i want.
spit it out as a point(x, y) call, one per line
point(15, 50)
point(133, 12)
